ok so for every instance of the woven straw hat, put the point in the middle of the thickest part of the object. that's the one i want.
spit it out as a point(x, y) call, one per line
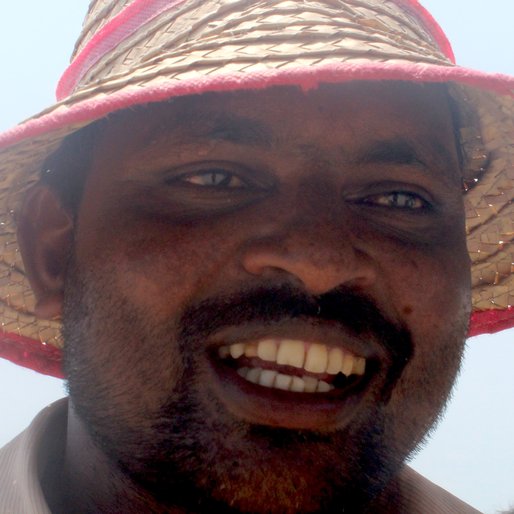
point(138, 51)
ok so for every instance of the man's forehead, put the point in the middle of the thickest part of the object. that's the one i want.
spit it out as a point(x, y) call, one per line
point(246, 114)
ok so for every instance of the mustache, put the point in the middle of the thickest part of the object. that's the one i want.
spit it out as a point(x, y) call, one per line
point(351, 310)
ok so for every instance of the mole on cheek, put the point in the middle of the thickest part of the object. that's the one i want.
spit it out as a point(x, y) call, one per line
point(407, 310)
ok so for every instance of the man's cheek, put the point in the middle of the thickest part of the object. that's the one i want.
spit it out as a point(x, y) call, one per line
point(131, 351)
point(429, 281)
point(155, 273)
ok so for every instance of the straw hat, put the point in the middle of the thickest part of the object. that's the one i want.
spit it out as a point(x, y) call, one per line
point(138, 51)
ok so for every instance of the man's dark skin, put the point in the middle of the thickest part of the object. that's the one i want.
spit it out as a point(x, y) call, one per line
point(348, 194)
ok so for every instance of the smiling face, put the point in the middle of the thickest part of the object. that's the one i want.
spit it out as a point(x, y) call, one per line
point(269, 293)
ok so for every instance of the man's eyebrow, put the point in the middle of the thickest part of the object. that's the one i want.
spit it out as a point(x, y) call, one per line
point(240, 130)
point(398, 151)
point(228, 127)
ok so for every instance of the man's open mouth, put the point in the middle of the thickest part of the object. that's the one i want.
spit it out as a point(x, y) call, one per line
point(288, 381)
point(294, 365)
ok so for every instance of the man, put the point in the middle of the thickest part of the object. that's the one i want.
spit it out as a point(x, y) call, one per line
point(251, 222)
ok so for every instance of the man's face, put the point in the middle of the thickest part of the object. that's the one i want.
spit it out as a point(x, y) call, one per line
point(322, 229)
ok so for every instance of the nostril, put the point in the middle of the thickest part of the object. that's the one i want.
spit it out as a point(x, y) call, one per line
point(317, 268)
point(267, 265)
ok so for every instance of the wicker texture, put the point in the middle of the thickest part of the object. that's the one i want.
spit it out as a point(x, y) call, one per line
point(100, 12)
point(198, 38)
point(245, 36)
point(209, 35)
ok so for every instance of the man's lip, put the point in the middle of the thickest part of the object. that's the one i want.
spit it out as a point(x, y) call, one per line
point(260, 405)
point(273, 407)
point(330, 334)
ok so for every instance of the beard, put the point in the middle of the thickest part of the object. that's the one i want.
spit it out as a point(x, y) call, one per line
point(138, 384)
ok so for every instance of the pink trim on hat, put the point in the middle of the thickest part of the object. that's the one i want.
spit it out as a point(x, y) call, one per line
point(123, 25)
point(306, 77)
point(31, 354)
point(489, 322)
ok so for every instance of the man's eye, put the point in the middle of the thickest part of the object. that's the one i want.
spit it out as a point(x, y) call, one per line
point(398, 200)
point(214, 178)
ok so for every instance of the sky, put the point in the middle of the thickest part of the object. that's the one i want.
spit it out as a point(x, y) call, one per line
point(472, 451)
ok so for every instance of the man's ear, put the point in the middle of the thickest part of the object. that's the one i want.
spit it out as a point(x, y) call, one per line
point(45, 232)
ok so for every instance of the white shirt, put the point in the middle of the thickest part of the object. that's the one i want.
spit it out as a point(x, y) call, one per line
point(21, 460)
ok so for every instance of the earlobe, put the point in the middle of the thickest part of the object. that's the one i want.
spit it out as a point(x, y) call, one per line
point(45, 231)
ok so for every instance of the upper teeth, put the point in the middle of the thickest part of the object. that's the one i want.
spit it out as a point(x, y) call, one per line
point(312, 357)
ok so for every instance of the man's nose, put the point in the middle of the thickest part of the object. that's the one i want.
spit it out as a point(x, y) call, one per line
point(313, 255)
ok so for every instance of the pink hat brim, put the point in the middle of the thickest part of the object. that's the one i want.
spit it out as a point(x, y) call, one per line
point(47, 359)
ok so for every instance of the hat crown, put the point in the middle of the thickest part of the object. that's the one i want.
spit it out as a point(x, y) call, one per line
point(213, 36)
point(100, 12)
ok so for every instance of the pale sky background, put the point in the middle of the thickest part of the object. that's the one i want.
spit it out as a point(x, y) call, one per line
point(472, 452)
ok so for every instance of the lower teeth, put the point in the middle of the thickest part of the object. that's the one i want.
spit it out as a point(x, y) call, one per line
point(275, 380)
